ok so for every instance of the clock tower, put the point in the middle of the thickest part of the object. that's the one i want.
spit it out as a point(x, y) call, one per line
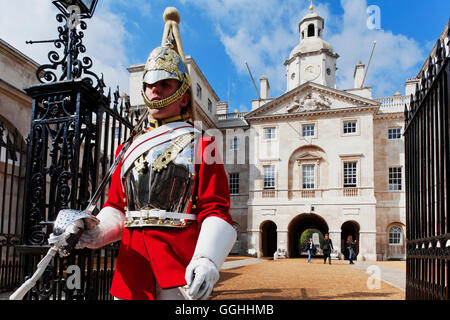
point(313, 58)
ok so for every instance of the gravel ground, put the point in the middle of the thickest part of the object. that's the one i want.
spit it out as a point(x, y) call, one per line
point(295, 279)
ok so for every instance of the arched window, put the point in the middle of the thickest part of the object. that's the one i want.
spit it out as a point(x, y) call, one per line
point(311, 30)
point(395, 235)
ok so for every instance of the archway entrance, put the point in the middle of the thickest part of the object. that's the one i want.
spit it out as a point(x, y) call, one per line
point(349, 229)
point(268, 238)
point(298, 225)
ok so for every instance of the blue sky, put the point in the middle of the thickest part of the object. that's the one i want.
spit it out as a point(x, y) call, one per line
point(222, 34)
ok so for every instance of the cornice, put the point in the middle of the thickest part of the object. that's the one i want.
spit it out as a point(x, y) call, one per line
point(341, 95)
point(15, 93)
point(22, 59)
point(311, 53)
point(296, 115)
point(390, 115)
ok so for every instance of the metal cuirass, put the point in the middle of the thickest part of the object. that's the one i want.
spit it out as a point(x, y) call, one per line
point(154, 183)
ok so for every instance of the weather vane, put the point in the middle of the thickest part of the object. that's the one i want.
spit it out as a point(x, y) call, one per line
point(311, 7)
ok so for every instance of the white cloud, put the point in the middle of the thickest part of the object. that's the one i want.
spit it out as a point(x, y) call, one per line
point(394, 60)
point(264, 34)
point(23, 20)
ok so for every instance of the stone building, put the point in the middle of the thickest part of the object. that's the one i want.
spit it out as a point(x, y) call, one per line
point(315, 157)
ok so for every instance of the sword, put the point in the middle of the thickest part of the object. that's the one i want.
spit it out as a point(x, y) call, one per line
point(67, 217)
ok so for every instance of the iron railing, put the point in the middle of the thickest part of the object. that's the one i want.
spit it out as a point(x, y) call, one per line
point(13, 150)
point(75, 131)
point(427, 162)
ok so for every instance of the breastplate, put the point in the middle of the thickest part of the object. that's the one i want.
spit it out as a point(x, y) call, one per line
point(158, 176)
point(167, 189)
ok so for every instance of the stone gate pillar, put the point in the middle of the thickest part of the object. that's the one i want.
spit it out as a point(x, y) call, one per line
point(253, 241)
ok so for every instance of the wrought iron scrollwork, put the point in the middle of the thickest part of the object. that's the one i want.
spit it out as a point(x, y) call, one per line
point(72, 66)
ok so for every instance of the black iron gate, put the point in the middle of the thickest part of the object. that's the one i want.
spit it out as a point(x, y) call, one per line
point(13, 150)
point(74, 135)
point(427, 161)
point(75, 131)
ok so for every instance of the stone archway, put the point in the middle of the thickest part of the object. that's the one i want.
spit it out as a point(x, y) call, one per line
point(299, 224)
point(268, 238)
point(349, 228)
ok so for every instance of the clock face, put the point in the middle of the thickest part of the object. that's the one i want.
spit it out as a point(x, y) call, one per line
point(311, 71)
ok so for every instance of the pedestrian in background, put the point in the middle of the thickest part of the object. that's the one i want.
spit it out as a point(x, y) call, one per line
point(351, 248)
point(326, 248)
point(309, 248)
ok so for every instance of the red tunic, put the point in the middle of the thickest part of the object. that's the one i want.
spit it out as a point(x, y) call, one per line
point(161, 254)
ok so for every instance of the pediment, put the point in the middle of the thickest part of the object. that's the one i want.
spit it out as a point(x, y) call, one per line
point(309, 101)
point(311, 97)
point(309, 156)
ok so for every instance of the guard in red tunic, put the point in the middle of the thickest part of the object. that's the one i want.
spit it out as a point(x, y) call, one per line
point(169, 200)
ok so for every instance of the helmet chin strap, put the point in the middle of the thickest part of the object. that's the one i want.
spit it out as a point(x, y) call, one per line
point(158, 104)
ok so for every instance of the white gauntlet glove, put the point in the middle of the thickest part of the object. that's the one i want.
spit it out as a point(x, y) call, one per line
point(107, 231)
point(214, 243)
point(203, 274)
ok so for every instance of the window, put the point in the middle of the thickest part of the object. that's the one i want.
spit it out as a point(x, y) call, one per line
point(269, 133)
point(234, 144)
point(199, 91)
point(209, 105)
point(308, 130)
point(395, 179)
point(350, 177)
point(234, 183)
point(349, 127)
point(269, 177)
point(396, 235)
point(394, 133)
point(308, 176)
point(311, 30)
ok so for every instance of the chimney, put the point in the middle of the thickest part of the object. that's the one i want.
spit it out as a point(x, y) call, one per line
point(358, 74)
point(410, 86)
point(222, 107)
point(264, 84)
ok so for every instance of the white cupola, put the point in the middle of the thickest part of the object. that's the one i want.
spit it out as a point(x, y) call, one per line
point(313, 58)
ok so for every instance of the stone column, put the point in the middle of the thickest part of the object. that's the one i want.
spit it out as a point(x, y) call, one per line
point(253, 240)
point(282, 240)
point(335, 237)
point(367, 245)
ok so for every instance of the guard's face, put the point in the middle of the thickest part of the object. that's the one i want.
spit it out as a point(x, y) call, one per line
point(161, 90)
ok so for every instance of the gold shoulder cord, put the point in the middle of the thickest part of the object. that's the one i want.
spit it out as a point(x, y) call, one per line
point(172, 151)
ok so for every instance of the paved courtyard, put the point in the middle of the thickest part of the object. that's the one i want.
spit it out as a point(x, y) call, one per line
point(295, 279)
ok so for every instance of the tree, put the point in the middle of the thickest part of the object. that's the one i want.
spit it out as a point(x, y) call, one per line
point(308, 234)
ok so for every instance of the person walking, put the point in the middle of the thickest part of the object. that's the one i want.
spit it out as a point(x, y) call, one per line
point(309, 248)
point(326, 248)
point(351, 249)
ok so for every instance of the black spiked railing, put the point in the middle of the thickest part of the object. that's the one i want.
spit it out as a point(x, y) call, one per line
point(427, 162)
